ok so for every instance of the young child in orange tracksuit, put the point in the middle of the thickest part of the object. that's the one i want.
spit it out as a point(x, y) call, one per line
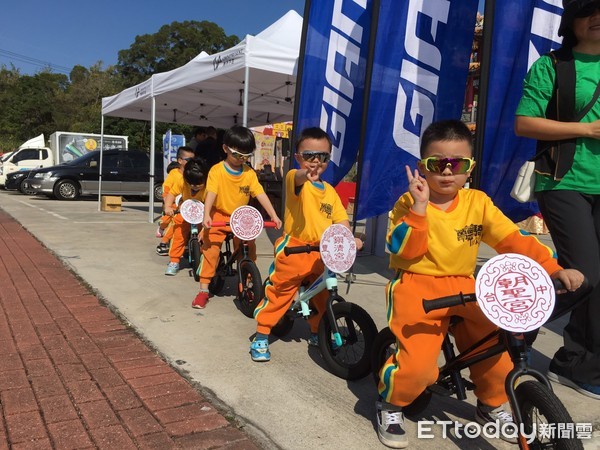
point(311, 205)
point(193, 187)
point(434, 236)
point(174, 179)
point(230, 184)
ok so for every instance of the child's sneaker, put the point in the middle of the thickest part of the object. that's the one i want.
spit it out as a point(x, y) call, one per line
point(201, 300)
point(172, 269)
point(162, 249)
point(390, 425)
point(259, 350)
point(499, 416)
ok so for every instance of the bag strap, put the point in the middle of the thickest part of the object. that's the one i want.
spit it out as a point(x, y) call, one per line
point(589, 106)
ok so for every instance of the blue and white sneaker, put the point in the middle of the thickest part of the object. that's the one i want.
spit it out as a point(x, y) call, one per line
point(172, 269)
point(259, 350)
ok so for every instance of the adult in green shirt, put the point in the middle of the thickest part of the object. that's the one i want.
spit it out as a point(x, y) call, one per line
point(570, 202)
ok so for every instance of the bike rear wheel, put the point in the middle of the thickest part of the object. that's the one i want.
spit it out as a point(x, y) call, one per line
point(195, 258)
point(352, 360)
point(539, 405)
point(250, 289)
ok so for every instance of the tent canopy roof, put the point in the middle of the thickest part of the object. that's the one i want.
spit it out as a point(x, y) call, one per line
point(209, 90)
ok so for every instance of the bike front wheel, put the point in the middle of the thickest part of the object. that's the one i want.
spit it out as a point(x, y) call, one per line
point(542, 411)
point(195, 258)
point(351, 360)
point(218, 280)
point(250, 288)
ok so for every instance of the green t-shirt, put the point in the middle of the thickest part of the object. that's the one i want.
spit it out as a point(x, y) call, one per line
point(584, 175)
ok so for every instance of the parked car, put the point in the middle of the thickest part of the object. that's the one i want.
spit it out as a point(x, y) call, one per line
point(15, 182)
point(124, 172)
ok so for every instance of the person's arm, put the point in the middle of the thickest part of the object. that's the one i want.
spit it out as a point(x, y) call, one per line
point(263, 199)
point(168, 204)
point(208, 204)
point(303, 175)
point(552, 130)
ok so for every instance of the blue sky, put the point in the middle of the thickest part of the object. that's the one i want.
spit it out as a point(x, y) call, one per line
point(69, 32)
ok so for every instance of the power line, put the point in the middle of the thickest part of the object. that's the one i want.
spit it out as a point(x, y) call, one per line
point(34, 61)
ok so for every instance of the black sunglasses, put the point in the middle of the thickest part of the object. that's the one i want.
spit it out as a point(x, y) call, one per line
point(310, 156)
point(587, 10)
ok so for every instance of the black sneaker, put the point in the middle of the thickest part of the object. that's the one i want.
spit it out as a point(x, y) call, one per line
point(390, 425)
point(162, 249)
point(499, 416)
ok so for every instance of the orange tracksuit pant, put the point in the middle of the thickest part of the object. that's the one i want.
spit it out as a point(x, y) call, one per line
point(180, 235)
point(286, 275)
point(212, 240)
point(419, 336)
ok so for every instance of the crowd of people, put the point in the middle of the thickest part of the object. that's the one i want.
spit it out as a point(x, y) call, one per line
point(427, 252)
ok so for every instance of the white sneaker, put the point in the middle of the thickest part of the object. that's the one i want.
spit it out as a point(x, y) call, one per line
point(172, 269)
point(390, 425)
point(500, 416)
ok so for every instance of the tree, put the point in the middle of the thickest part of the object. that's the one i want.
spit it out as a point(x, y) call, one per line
point(172, 46)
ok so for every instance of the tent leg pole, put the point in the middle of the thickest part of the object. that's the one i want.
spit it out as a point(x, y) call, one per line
point(100, 169)
point(246, 83)
point(152, 152)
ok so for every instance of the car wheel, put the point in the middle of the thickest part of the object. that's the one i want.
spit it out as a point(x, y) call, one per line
point(158, 192)
point(66, 190)
point(25, 190)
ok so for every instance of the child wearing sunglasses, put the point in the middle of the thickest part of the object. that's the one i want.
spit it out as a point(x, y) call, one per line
point(435, 232)
point(311, 205)
point(230, 185)
point(174, 180)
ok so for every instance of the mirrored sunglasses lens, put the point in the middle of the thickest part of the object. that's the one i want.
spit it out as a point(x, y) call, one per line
point(457, 165)
point(322, 157)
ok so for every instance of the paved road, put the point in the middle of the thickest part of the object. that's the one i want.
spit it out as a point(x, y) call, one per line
point(291, 402)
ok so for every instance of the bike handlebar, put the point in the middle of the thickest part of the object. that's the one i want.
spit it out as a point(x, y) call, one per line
point(463, 299)
point(301, 249)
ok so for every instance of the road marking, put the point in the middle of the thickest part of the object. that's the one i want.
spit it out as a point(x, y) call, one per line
point(44, 210)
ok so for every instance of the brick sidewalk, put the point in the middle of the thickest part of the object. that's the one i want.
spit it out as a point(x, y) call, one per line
point(72, 376)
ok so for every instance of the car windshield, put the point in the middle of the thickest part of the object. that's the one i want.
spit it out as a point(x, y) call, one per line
point(6, 156)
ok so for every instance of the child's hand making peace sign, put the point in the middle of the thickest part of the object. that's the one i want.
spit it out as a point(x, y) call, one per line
point(418, 189)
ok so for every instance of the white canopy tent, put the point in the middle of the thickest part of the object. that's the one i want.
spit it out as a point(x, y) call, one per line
point(252, 83)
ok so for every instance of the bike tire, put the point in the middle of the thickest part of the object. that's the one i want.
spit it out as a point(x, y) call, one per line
point(535, 401)
point(352, 360)
point(250, 290)
point(283, 327)
point(217, 282)
point(384, 346)
point(195, 254)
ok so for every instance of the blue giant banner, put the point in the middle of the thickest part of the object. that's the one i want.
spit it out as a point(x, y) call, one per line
point(333, 77)
point(516, 45)
point(419, 75)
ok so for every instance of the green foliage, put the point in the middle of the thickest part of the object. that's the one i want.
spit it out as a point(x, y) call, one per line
point(47, 102)
point(172, 46)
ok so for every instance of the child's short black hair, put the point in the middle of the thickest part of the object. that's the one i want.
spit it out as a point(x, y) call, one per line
point(184, 148)
point(445, 130)
point(172, 165)
point(312, 133)
point(240, 139)
point(195, 172)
